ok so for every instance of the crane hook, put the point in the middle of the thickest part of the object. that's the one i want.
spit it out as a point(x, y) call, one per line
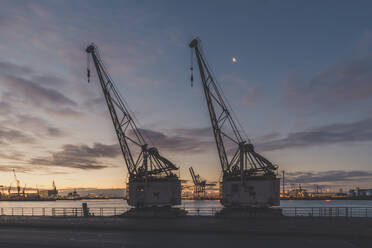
point(88, 68)
point(192, 69)
point(192, 76)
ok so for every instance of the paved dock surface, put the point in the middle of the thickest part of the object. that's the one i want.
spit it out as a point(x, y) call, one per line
point(184, 232)
point(31, 237)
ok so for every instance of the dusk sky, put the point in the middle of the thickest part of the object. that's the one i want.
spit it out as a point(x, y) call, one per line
point(301, 86)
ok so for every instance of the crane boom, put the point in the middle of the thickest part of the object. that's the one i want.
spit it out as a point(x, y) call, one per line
point(244, 161)
point(148, 162)
point(199, 184)
point(9, 189)
point(193, 175)
point(196, 177)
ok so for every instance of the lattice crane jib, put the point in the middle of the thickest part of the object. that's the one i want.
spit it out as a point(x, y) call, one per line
point(239, 158)
point(147, 161)
point(196, 178)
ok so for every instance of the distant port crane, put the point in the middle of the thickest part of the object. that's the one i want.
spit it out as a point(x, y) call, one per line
point(199, 184)
point(152, 179)
point(9, 189)
point(24, 191)
point(249, 179)
point(18, 183)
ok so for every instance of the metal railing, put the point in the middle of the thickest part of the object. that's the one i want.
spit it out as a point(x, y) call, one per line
point(71, 212)
point(328, 211)
point(191, 211)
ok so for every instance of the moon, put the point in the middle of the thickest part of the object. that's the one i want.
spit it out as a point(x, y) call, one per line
point(234, 60)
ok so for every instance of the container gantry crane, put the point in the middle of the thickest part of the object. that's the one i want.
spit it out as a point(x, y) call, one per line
point(249, 179)
point(199, 184)
point(152, 179)
point(24, 191)
point(18, 183)
point(9, 189)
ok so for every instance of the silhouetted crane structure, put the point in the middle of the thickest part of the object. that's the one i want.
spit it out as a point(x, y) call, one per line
point(18, 183)
point(199, 184)
point(24, 191)
point(9, 189)
point(37, 191)
point(152, 178)
point(249, 179)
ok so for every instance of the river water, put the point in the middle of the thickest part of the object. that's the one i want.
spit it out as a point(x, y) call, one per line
point(120, 203)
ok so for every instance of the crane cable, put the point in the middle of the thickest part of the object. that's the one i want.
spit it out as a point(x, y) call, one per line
point(88, 67)
point(192, 68)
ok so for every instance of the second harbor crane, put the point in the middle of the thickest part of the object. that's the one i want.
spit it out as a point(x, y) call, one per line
point(17, 182)
point(249, 180)
point(199, 184)
point(152, 177)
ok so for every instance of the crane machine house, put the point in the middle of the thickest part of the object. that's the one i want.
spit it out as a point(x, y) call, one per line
point(152, 179)
point(249, 179)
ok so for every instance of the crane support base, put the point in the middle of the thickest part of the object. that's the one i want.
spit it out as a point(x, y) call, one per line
point(154, 192)
point(251, 192)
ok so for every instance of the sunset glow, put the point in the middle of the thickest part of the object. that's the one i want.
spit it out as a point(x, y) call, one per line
point(311, 115)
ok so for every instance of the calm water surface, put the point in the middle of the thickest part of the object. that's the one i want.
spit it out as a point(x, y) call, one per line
point(119, 203)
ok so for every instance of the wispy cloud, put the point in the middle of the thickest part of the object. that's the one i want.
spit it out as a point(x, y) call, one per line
point(13, 69)
point(146, 82)
point(332, 176)
point(13, 136)
point(23, 169)
point(332, 88)
point(79, 156)
point(34, 92)
point(253, 95)
point(23, 85)
point(5, 108)
point(188, 140)
point(359, 131)
point(11, 155)
point(36, 126)
point(181, 140)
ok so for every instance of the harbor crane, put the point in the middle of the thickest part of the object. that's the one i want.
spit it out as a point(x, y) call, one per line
point(152, 179)
point(54, 186)
point(23, 191)
point(18, 183)
point(248, 180)
point(9, 189)
point(199, 184)
point(2, 190)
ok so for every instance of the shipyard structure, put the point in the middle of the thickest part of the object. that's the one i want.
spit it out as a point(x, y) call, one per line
point(26, 194)
point(249, 180)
